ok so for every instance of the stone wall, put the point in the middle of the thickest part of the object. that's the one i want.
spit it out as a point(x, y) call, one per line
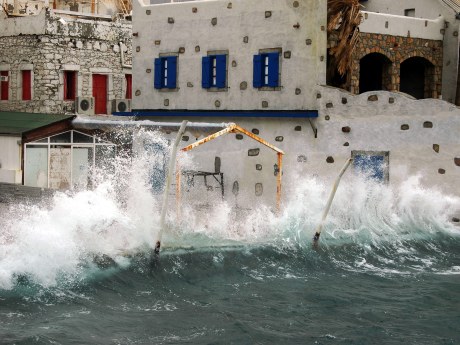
point(396, 49)
point(86, 46)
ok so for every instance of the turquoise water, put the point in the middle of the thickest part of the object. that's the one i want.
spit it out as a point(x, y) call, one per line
point(251, 295)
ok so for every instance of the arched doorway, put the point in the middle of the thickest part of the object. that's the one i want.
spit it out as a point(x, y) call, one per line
point(417, 77)
point(374, 73)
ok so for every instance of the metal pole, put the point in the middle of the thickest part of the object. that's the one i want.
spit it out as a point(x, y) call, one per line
point(178, 191)
point(329, 202)
point(172, 163)
point(278, 182)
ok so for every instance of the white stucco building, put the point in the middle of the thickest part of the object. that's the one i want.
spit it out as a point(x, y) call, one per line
point(263, 66)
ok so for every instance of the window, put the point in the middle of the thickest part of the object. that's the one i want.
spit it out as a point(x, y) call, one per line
point(165, 72)
point(4, 85)
point(266, 70)
point(410, 12)
point(129, 86)
point(373, 165)
point(214, 71)
point(70, 85)
point(26, 85)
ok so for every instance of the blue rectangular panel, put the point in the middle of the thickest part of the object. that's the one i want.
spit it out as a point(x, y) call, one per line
point(221, 70)
point(273, 69)
point(172, 71)
point(372, 167)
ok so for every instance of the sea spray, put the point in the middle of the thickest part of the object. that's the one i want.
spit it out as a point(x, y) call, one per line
point(395, 228)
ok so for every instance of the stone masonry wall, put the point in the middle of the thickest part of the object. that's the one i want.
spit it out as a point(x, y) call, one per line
point(82, 45)
point(397, 49)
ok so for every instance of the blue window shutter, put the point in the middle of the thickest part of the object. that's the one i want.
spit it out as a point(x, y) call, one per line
point(206, 72)
point(172, 71)
point(257, 75)
point(158, 73)
point(273, 69)
point(221, 70)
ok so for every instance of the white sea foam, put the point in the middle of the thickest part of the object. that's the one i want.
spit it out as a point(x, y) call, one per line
point(45, 243)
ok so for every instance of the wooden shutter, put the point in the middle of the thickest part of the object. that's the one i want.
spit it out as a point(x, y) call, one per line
point(221, 70)
point(206, 72)
point(172, 71)
point(273, 69)
point(257, 69)
point(158, 74)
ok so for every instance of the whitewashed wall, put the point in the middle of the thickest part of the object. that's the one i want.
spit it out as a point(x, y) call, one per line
point(378, 121)
point(266, 24)
point(389, 24)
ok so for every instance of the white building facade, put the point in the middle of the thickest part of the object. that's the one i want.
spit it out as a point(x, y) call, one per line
point(263, 66)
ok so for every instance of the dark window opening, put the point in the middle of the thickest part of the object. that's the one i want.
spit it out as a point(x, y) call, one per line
point(70, 85)
point(409, 12)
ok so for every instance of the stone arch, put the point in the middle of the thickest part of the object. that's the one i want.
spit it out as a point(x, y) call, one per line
point(375, 72)
point(417, 77)
point(378, 50)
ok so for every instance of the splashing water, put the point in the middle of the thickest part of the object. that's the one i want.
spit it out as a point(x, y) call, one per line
point(60, 240)
point(386, 254)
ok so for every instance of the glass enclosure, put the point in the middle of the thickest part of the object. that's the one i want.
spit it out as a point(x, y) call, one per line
point(65, 160)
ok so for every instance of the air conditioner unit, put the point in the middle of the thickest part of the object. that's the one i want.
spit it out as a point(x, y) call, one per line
point(121, 105)
point(4, 78)
point(84, 105)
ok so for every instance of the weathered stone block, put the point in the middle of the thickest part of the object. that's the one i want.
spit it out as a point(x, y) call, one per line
point(253, 152)
point(259, 189)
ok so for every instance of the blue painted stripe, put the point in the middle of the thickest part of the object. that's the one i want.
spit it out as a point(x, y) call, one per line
point(204, 113)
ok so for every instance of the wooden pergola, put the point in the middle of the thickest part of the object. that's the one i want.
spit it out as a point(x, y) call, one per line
point(234, 128)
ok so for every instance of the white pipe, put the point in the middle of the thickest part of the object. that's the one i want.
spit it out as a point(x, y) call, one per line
point(172, 165)
point(329, 202)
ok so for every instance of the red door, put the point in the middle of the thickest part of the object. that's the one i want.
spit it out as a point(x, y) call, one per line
point(100, 93)
point(129, 86)
point(4, 86)
point(26, 85)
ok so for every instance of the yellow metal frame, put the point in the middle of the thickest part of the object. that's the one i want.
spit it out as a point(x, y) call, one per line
point(233, 128)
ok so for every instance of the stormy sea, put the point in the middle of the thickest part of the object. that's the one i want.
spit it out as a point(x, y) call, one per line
point(80, 268)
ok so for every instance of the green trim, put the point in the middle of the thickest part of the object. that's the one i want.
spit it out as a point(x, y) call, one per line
point(18, 123)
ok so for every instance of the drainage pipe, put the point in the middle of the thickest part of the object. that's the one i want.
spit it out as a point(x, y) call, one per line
point(172, 164)
point(329, 202)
